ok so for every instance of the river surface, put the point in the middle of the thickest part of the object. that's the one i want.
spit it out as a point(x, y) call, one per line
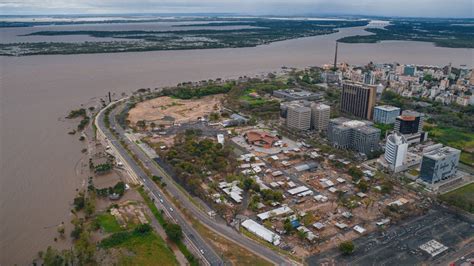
point(38, 158)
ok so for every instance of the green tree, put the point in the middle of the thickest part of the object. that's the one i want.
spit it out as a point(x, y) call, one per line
point(302, 234)
point(248, 182)
point(287, 226)
point(363, 185)
point(174, 232)
point(346, 247)
point(355, 172)
point(79, 202)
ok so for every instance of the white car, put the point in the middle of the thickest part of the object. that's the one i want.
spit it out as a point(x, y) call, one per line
point(161, 200)
point(171, 209)
point(202, 251)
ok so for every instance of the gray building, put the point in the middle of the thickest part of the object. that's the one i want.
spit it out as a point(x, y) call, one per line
point(386, 114)
point(298, 116)
point(297, 94)
point(354, 135)
point(439, 164)
point(320, 114)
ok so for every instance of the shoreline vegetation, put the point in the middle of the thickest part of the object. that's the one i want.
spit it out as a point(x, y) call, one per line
point(262, 31)
point(450, 33)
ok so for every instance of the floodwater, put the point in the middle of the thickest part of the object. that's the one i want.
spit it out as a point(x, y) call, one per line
point(38, 157)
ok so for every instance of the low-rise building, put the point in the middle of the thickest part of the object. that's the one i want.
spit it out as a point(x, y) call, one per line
point(297, 94)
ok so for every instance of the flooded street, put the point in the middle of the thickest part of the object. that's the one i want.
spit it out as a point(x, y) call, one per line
point(38, 178)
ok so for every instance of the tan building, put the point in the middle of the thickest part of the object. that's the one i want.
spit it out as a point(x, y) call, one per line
point(298, 116)
point(320, 114)
point(358, 100)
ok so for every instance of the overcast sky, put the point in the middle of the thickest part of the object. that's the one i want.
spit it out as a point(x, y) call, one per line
point(422, 8)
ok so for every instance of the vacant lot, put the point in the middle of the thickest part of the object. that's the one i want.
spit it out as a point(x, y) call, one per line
point(399, 245)
point(461, 197)
point(456, 138)
point(182, 111)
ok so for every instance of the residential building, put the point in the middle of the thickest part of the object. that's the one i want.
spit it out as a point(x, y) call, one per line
point(298, 116)
point(358, 100)
point(355, 135)
point(320, 114)
point(386, 114)
point(396, 150)
point(439, 164)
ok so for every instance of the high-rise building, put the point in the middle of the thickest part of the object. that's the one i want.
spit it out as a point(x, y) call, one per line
point(320, 116)
point(410, 122)
point(298, 116)
point(439, 164)
point(396, 150)
point(386, 114)
point(369, 78)
point(409, 70)
point(355, 135)
point(358, 100)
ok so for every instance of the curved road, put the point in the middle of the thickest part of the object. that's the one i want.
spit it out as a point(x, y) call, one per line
point(217, 226)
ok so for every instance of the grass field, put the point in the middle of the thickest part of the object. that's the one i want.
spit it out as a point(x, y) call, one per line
point(252, 101)
point(455, 138)
point(108, 223)
point(462, 197)
point(149, 249)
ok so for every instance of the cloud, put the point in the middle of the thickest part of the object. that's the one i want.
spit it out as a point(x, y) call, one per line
point(423, 8)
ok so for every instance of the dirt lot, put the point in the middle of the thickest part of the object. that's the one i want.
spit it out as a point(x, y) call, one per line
point(181, 110)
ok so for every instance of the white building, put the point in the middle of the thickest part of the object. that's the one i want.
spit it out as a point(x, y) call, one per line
point(396, 151)
point(320, 114)
point(261, 231)
point(298, 116)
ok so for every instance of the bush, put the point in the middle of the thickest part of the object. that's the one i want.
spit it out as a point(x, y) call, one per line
point(346, 247)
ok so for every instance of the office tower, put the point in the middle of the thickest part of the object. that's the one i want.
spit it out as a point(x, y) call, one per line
point(298, 116)
point(439, 164)
point(396, 150)
point(410, 122)
point(358, 100)
point(386, 114)
point(320, 116)
point(355, 135)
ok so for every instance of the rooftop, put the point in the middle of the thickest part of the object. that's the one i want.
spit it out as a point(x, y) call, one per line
point(387, 108)
point(442, 153)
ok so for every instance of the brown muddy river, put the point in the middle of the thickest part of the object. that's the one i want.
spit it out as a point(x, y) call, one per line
point(38, 158)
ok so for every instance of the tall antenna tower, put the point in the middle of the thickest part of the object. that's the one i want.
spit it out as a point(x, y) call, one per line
point(335, 58)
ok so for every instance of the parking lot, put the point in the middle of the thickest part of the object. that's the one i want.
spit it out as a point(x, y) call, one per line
point(399, 245)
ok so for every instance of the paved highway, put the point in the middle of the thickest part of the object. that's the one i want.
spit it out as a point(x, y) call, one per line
point(192, 239)
point(217, 226)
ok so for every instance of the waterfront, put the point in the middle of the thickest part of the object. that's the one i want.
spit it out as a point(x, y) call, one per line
point(39, 158)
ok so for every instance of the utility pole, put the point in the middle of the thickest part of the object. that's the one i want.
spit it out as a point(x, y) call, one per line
point(335, 58)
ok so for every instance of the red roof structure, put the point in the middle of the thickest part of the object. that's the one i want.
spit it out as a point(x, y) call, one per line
point(260, 139)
